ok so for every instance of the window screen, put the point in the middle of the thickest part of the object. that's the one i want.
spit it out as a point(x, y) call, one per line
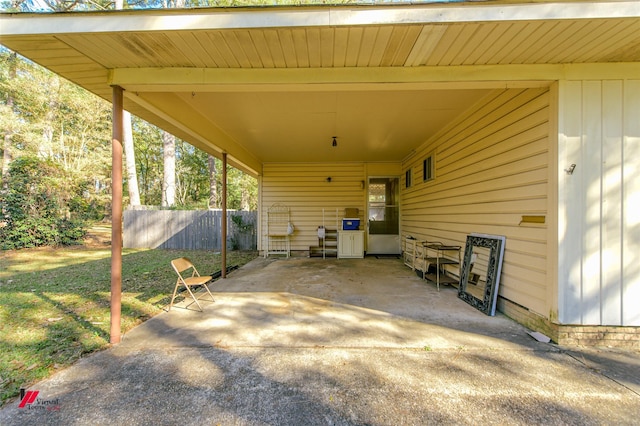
point(428, 168)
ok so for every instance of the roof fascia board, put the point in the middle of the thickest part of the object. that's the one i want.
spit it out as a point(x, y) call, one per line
point(217, 19)
point(380, 78)
point(459, 13)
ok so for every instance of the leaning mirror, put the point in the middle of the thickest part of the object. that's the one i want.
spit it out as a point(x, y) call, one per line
point(481, 269)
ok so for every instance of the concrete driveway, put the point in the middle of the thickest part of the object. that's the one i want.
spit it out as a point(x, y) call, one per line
point(339, 342)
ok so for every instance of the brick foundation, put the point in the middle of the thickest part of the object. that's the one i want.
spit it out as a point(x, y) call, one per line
point(572, 335)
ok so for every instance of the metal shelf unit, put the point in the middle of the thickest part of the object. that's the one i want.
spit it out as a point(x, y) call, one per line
point(278, 219)
point(433, 260)
point(440, 255)
point(409, 251)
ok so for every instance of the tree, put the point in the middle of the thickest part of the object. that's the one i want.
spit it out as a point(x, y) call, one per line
point(169, 161)
point(192, 181)
point(45, 148)
point(169, 144)
point(43, 206)
point(130, 160)
point(54, 5)
point(148, 146)
point(8, 127)
point(242, 190)
point(129, 151)
point(213, 187)
point(41, 114)
point(76, 123)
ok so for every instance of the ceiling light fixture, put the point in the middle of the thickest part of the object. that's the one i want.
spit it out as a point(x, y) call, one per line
point(335, 142)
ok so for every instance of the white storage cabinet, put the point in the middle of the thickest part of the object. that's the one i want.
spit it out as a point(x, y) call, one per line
point(350, 244)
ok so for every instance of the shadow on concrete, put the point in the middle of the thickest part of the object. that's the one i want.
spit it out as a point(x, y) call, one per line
point(303, 343)
point(194, 382)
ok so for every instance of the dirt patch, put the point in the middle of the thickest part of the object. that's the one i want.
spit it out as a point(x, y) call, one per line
point(98, 235)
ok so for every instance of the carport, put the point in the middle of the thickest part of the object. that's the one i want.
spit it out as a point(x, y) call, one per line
point(501, 96)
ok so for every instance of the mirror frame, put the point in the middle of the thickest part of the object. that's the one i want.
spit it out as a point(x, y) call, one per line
point(496, 244)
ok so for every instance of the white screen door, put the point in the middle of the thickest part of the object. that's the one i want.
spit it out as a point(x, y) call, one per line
point(383, 223)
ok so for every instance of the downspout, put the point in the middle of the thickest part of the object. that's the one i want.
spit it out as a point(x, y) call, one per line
point(223, 266)
point(116, 213)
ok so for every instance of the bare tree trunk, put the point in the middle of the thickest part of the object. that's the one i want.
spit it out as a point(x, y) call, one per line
point(244, 197)
point(6, 149)
point(169, 180)
point(129, 152)
point(169, 154)
point(213, 186)
point(130, 160)
point(8, 135)
point(45, 150)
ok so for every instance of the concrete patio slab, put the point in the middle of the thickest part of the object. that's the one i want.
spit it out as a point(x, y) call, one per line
point(313, 341)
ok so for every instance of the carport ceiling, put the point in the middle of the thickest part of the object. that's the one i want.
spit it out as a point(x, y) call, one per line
point(276, 84)
point(378, 125)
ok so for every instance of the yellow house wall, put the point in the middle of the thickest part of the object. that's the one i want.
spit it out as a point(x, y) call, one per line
point(491, 169)
point(383, 169)
point(312, 200)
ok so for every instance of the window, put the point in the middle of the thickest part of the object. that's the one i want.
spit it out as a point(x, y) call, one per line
point(377, 200)
point(407, 178)
point(428, 168)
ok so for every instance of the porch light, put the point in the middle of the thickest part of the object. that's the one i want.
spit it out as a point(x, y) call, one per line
point(335, 142)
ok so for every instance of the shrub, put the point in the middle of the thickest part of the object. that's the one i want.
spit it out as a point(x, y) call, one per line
point(41, 206)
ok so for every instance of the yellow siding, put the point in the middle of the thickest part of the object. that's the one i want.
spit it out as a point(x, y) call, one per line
point(491, 168)
point(384, 169)
point(303, 187)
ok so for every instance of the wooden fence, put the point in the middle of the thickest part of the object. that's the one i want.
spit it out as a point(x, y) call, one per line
point(189, 229)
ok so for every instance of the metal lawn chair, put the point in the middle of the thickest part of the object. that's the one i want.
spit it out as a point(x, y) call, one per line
point(182, 266)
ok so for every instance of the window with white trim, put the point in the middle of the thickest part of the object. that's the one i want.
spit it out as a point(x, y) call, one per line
point(429, 168)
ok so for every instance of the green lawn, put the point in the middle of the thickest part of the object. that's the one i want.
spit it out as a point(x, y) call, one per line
point(54, 303)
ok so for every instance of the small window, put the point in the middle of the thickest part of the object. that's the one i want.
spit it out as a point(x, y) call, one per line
point(428, 168)
point(407, 178)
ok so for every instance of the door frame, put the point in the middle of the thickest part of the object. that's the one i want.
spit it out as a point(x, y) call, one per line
point(392, 241)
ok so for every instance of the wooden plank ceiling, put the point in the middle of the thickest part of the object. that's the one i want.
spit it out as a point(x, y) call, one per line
point(87, 59)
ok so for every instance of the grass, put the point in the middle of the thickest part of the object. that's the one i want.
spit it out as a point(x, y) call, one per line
point(54, 303)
